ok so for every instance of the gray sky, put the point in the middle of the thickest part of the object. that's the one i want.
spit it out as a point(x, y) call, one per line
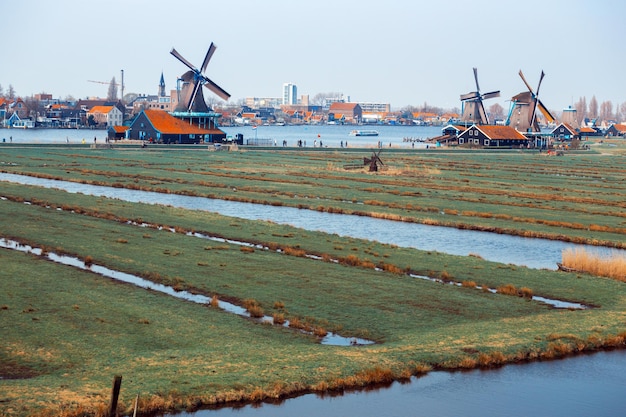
point(397, 51)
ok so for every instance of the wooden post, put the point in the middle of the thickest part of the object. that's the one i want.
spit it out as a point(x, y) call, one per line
point(115, 394)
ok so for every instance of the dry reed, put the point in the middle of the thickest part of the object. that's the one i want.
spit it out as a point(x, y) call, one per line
point(610, 266)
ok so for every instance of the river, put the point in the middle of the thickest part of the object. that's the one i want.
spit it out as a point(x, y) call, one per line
point(584, 386)
point(333, 136)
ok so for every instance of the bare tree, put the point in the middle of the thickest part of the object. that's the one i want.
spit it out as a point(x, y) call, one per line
point(593, 108)
point(11, 92)
point(1, 91)
point(581, 108)
point(320, 98)
point(496, 111)
point(622, 109)
point(112, 93)
point(606, 110)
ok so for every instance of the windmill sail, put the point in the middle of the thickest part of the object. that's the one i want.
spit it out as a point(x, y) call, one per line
point(523, 113)
point(473, 108)
point(191, 95)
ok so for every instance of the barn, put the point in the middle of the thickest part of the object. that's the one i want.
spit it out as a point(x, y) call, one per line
point(492, 136)
point(161, 127)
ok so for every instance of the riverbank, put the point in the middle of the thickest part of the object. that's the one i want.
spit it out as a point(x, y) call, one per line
point(70, 331)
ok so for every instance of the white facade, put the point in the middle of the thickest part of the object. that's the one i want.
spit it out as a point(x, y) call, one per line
point(290, 94)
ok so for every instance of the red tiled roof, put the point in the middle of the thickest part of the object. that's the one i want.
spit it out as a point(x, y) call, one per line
point(120, 129)
point(500, 132)
point(100, 109)
point(168, 124)
point(343, 107)
point(620, 127)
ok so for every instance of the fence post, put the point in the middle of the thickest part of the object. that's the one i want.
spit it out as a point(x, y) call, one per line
point(115, 394)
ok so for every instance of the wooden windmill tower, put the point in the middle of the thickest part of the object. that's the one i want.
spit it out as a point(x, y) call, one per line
point(472, 104)
point(523, 112)
point(191, 98)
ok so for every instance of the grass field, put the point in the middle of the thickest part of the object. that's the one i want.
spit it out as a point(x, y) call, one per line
point(65, 332)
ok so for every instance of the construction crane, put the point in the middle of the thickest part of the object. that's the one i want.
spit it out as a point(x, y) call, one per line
point(110, 83)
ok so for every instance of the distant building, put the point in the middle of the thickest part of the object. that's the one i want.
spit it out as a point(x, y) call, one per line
point(345, 112)
point(570, 117)
point(564, 132)
point(105, 116)
point(290, 94)
point(616, 130)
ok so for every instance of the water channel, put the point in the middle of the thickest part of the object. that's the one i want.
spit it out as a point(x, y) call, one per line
point(590, 385)
point(530, 252)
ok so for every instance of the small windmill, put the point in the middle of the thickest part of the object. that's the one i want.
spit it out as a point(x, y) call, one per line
point(191, 96)
point(373, 161)
point(523, 112)
point(472, 103)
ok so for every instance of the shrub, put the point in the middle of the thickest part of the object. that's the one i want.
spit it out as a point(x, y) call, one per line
point(508, 289)
point(278, 318)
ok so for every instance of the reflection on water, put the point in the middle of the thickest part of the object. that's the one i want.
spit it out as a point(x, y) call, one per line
point(590, 385)
point(533, 253)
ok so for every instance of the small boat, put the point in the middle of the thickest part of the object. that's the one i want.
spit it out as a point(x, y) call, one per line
point(566, 268)
point(364, 133)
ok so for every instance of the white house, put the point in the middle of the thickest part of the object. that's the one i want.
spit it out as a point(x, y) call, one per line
point(106, 116)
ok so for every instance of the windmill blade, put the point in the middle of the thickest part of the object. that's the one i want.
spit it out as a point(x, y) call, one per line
point(491, 94)
point(192, 97)
point(544, 110)
point(476, 78)
point(482, 114)
point(525, 82)
point(183, 60)
point(539, 85)
point(216, 89)
point(536, 101)
point(208, 56)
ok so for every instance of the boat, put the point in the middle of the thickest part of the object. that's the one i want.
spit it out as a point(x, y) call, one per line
point(364, 133)
point(564, 268)
point(23, 124)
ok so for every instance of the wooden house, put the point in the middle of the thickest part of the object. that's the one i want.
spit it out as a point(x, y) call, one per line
point(564, 132)
point(161, 127)
point(616, 130)
point(117, 132)
point(105, 116)
point(492, 136)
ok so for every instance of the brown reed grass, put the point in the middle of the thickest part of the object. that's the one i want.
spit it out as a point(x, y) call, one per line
point(609, 266)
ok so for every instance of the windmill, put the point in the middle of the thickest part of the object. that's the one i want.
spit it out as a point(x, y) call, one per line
point(473, 109)
point(191, 96)
point(373, 161)
point(523, 112)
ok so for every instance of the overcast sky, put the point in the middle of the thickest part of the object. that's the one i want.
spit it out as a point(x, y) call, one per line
point(402, 52)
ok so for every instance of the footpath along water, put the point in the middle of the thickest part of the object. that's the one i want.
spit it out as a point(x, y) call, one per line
point(530, 252)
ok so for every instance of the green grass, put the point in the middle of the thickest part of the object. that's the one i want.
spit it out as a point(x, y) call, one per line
point(65, 333)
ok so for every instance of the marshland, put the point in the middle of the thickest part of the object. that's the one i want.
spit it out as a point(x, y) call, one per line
point(67, 331)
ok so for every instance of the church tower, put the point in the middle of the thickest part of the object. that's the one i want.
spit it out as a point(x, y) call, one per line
point(162, 86)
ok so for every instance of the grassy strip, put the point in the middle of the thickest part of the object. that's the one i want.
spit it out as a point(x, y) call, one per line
point(68, 332)
point(515, 193)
